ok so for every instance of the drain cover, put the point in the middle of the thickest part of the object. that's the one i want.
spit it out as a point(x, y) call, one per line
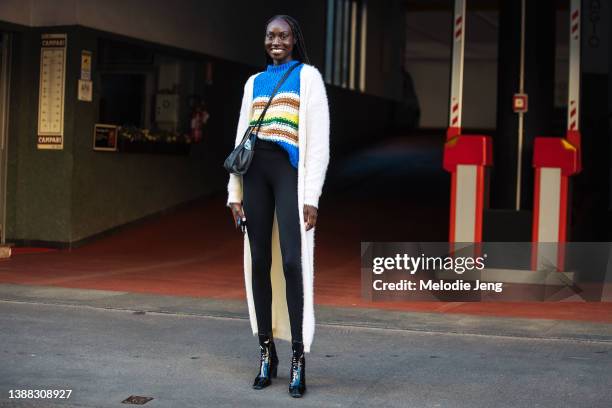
point(136, 400)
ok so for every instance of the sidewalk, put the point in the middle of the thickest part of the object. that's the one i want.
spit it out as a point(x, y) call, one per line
point(325, 315)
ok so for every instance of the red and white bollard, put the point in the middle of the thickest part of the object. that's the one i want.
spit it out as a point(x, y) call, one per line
point(555, 160)
point(465, 156)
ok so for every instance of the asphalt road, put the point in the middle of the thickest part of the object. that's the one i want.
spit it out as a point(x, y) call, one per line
point(181, 360)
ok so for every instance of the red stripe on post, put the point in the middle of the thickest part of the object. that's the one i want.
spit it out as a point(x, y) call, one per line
point(455, 120)
point(575, 14)
point(458, 20)
point(563, 215)
point(458, 33)
point(536, 207)
point(479, 203)
point(453, 204)
point(563, 210)
point(536, 221)
point(455, 107)
point(560, 257)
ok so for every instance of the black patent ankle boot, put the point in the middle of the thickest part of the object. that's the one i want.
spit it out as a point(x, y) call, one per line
point(268, 362)
point(297, 376)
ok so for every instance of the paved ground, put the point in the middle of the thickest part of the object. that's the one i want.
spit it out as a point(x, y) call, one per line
point(196, 352)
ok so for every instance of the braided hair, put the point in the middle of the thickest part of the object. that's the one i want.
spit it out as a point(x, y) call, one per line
point(299, 49)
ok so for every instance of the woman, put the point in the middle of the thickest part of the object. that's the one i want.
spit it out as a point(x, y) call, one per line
point(279, 198)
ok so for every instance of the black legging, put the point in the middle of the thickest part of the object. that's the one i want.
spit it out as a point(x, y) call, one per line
point(271, 182)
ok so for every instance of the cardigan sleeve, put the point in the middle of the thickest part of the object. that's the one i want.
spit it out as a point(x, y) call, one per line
point(317, 140)
point(234, 186)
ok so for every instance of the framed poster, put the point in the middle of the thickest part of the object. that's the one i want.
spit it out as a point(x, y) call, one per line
point(85, 91)
point(105, 137)
point(86, 65)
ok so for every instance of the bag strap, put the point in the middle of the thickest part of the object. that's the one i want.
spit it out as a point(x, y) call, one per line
point(276, 88)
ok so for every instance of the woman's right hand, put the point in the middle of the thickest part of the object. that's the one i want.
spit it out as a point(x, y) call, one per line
point(236, 212)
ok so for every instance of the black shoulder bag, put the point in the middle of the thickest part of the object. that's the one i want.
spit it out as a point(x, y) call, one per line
point(240, 158)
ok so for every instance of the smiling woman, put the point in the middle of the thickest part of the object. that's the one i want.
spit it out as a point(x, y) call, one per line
point(279, 41)
point(278, 196)
point(284, 41)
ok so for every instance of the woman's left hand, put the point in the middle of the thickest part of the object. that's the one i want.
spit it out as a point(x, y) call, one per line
point(310, 216)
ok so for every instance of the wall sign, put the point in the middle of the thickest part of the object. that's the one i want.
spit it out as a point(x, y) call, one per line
point(85, 91)
point(85, 86)
point(86, 65)
point(51, 91)
point(519, 103)
point(595, 47)
point(105, 137)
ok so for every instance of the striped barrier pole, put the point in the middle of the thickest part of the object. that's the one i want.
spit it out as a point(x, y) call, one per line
point(465, 156)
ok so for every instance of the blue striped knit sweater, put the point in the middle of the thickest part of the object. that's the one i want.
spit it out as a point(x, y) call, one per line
point(281, 122)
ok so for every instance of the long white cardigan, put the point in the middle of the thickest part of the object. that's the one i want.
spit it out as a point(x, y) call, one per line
point(313, 133)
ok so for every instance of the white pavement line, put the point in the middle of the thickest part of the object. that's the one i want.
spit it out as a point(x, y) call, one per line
point(360, 326)
point(365, 326)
